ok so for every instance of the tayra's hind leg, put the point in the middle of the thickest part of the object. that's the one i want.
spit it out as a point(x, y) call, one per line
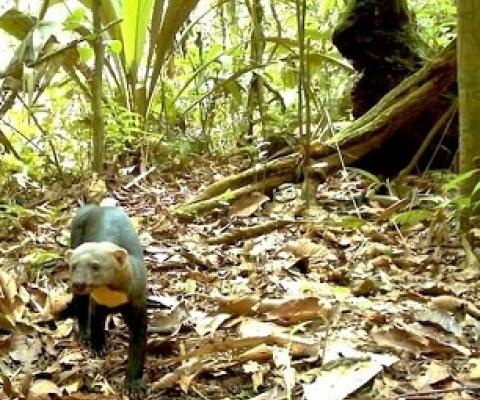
point(136, 320)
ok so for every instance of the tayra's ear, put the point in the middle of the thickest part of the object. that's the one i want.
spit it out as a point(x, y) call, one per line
point(68, 255)
point(120, 255)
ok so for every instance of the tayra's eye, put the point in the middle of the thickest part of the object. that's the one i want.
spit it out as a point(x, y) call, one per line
point(95, 267)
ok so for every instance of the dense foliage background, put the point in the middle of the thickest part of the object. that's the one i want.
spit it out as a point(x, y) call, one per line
point(206, 97)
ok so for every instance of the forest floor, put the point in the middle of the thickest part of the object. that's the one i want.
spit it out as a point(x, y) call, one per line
point(343, 302)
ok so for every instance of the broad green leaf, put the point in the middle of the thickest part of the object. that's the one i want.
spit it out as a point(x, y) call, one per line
point(16, 23)
point(136, 19)
point(412, 217)
point(175, 16)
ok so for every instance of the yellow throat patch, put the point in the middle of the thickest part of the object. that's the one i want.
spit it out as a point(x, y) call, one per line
point(108, 297)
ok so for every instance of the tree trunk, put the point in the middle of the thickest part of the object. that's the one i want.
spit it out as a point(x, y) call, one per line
point(469, 87)
point(98, 134)
point(379, 39)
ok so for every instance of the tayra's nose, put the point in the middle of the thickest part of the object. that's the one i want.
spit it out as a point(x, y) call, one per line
point(79, 287)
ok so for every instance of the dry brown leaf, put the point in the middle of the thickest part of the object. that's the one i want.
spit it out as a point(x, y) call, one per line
point(64, 329)
point(71, 358)
point(340, 381)
point(257, 372)
point(25, 350)
point(440, 318)
point(415, 339)
point(381, 261)
point(237, 305)
point(247, 205)
point(435, 373)
point(290, 312)
point(7, 323)
point(208, 324)
point(42, 388)
point(474, 369)
point(8, 291)
point(56, 302)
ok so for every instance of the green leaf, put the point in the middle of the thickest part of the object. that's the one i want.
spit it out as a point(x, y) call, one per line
point(289, 76)
point(235, 89)
point(115, 46)
point(411, 217)
point(458, 180)
point(136, 19)
point(85, 52)
point(75, 19)
point(476, 189)
point(350, 222)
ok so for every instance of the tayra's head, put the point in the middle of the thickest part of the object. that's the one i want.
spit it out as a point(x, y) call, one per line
point(95, 264)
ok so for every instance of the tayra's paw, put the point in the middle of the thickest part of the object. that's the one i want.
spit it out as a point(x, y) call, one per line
point(98, 350)
point(135, 389)
point(84, 338)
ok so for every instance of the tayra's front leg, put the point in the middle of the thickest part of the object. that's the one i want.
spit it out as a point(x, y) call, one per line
point(97, 328)
point(136, 320)
point(80, 308)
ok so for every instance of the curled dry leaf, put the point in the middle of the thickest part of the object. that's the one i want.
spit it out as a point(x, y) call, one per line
point(247, 205)
point(237, 305)
point(64, 329)
point(365, 287)
point(306, 248)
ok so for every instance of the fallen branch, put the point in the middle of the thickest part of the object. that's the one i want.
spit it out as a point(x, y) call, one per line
point(138, 178)
point(398, 108)
point(191, 209)
point(248, 233)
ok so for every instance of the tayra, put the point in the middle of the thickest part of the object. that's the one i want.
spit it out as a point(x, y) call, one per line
point(108, 276)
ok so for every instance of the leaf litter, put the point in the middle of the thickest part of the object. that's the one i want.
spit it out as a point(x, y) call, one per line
point(371, 298)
